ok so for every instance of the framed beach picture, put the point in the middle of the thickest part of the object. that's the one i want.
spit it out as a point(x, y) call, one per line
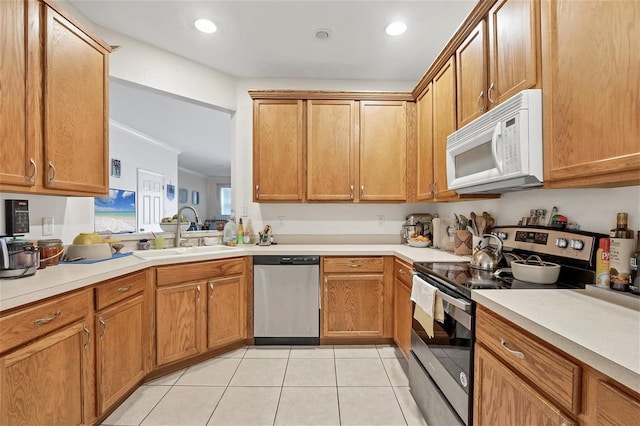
point(115, 213)
point(183, 195)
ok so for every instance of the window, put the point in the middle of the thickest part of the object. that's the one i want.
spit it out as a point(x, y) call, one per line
point(224, 197)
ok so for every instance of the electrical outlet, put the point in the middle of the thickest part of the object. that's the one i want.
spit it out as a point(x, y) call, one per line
point(47, 226)
point(380, 220)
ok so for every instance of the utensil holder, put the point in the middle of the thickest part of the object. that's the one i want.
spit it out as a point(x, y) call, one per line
point(463, 242)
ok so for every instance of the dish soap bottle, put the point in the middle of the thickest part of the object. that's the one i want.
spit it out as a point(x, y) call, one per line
point(230, 231)
point(240, 233)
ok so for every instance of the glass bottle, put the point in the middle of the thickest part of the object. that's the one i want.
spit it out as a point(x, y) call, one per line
point(620, 251)
point(634, 286)
point(240, 236)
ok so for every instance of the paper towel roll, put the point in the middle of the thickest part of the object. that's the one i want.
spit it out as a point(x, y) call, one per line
point(436, 226)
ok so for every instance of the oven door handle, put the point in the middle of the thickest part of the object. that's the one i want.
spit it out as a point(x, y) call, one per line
point(458, 303)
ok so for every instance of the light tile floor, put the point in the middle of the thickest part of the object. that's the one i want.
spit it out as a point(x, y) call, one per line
point(280, 385)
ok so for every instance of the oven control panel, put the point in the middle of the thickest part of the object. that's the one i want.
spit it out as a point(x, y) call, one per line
point(548, 241)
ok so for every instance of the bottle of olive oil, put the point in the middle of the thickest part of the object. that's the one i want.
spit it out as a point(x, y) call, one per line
point(620, 251)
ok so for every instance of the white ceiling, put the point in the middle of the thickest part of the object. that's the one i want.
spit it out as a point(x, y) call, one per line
point(201, 133)
point(270, 39)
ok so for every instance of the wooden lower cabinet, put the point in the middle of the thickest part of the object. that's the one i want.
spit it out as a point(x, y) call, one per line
point(508, 400)
point(226, 311)
point(402, 306)
point(180, 321)
point(49, 380)
point(121, 350)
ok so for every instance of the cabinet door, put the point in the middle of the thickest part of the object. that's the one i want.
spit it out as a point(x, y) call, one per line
point(425, 164)
point(591, 76)
point(75, 109)
point(502, 398)
point(402, 316)
point(179, 322)
point(121, 350)
point(278, 143)
point(331, 150)
point(513, 46)
point(226, 313)
point(49, 381)
point(353, 305)
point(19, 88)
point(444, 123)
point(383, 151)
point(471, 75)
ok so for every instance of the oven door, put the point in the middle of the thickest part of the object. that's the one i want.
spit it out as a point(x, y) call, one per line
point(446, 359)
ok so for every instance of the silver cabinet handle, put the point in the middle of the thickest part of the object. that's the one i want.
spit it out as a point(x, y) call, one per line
point(361, 191)
point(210, 290)
point(124, 289)
point(198, 293)
point(104, 327)
point(43, 321)
point(480, 103)
point(351, 192)
point(32, 178)
point(354, 265)
point(402, 271)
point(52, 172)
point(517, 354)
point(86, 330)
point(489, 93)
point(257, 192)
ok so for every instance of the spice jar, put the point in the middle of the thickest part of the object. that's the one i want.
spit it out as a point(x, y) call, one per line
point(50, 252)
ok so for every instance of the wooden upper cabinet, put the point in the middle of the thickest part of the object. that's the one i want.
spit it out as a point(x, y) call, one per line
point(471, 75)
point(19, 91)
point(444, 123)
point(513, 48)
point(424, 181)
point(383, 151)
point(591, 107)
point(278, 143)
point(75, 108)
point(332, 138)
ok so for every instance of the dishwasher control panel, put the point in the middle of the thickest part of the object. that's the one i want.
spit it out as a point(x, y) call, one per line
point(286, 260)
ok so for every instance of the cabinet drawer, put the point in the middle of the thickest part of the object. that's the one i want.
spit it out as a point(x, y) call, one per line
point(38, 320)
point(551, 372)
point(353, 264)
point(402, 272)
point(119, 289)
point(176, 274)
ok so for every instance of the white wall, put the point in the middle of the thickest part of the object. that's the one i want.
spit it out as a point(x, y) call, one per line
point(138, 151)
point(194, 182)
point(213, 201)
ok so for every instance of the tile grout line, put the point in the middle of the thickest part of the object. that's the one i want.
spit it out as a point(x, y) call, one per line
point(226, 387)
point(275, 415)
point(157, 403)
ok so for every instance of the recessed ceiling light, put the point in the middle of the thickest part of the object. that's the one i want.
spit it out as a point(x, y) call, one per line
point(323, 34)
point(396, 28)
point(206, 26)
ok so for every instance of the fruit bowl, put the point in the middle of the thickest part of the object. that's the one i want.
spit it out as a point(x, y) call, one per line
point(416, 243)
point(171, 226)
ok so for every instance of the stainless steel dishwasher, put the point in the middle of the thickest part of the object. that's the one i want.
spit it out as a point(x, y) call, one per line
point(286, 300)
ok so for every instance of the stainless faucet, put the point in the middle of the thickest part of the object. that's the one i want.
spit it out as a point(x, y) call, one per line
point(178, 237)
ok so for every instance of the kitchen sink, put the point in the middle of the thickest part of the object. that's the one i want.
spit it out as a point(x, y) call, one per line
point(181, 251)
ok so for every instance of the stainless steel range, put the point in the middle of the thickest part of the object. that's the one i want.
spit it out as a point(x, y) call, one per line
point(441, 367)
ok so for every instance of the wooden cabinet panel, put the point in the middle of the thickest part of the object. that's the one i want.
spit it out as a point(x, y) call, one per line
point(32, 322)
point(471, 75)
point(608, 405)
point(353, 305)
point(226, 313)
point(353, 264)
point(425, 163)
point(180, 273)
point(383, 151)
point(121, 350)
point(278, 143)
point(444, 123)
point(49, 381)
point(120, 288)
point(332, 138)
point(179, 321)
point(402, 306)
point(591, 76)
point(513, 48)
point(20, 88)
point(75, 108)
point(502, 398)
point(551, 372)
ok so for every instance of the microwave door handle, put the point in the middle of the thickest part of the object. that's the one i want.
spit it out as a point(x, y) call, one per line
point(494, 146)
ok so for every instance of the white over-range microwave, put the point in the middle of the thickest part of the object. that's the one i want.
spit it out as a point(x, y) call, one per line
point(499, 151)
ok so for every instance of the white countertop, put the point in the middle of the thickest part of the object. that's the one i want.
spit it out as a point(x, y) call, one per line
point(601, 334)
point(55, 280)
